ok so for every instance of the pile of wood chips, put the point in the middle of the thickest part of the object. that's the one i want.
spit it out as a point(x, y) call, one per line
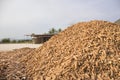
point(11, 67)
point(84, 51)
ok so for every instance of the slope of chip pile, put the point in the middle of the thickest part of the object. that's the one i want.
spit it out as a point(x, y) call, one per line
point(10, 66)
point(84, 51)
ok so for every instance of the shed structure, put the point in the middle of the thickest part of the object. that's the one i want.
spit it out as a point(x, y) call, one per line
point(37, 39)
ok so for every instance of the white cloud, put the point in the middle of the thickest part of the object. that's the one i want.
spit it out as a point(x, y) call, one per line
point(28, 16)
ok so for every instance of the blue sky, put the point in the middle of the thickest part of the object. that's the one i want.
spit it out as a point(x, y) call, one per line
point(21, 17)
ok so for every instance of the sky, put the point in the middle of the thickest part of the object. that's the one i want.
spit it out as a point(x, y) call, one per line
point(22, 17)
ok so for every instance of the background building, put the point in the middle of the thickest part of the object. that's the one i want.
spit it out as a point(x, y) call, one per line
point(37, 39)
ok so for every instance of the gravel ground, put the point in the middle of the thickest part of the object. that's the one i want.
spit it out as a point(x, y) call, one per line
point(8, 47)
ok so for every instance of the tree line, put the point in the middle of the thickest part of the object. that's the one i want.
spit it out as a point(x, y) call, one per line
point(54, 31)
point(8, 40)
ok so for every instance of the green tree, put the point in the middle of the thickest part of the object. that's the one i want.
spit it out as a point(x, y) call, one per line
point(21, 41)
point(13, 41)
point(52, 31)
point(5, 40)
point(59, 30)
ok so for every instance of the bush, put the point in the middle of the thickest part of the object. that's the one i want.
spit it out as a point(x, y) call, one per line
point(5, 40)
point(13, 41)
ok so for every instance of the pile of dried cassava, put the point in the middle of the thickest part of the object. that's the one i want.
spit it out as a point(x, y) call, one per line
point(84, 51)
point(11, 67)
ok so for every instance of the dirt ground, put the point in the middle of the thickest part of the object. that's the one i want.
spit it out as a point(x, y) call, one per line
point(8, 47)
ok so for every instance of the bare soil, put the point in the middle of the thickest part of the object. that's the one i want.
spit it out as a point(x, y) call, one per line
point(8, 47)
